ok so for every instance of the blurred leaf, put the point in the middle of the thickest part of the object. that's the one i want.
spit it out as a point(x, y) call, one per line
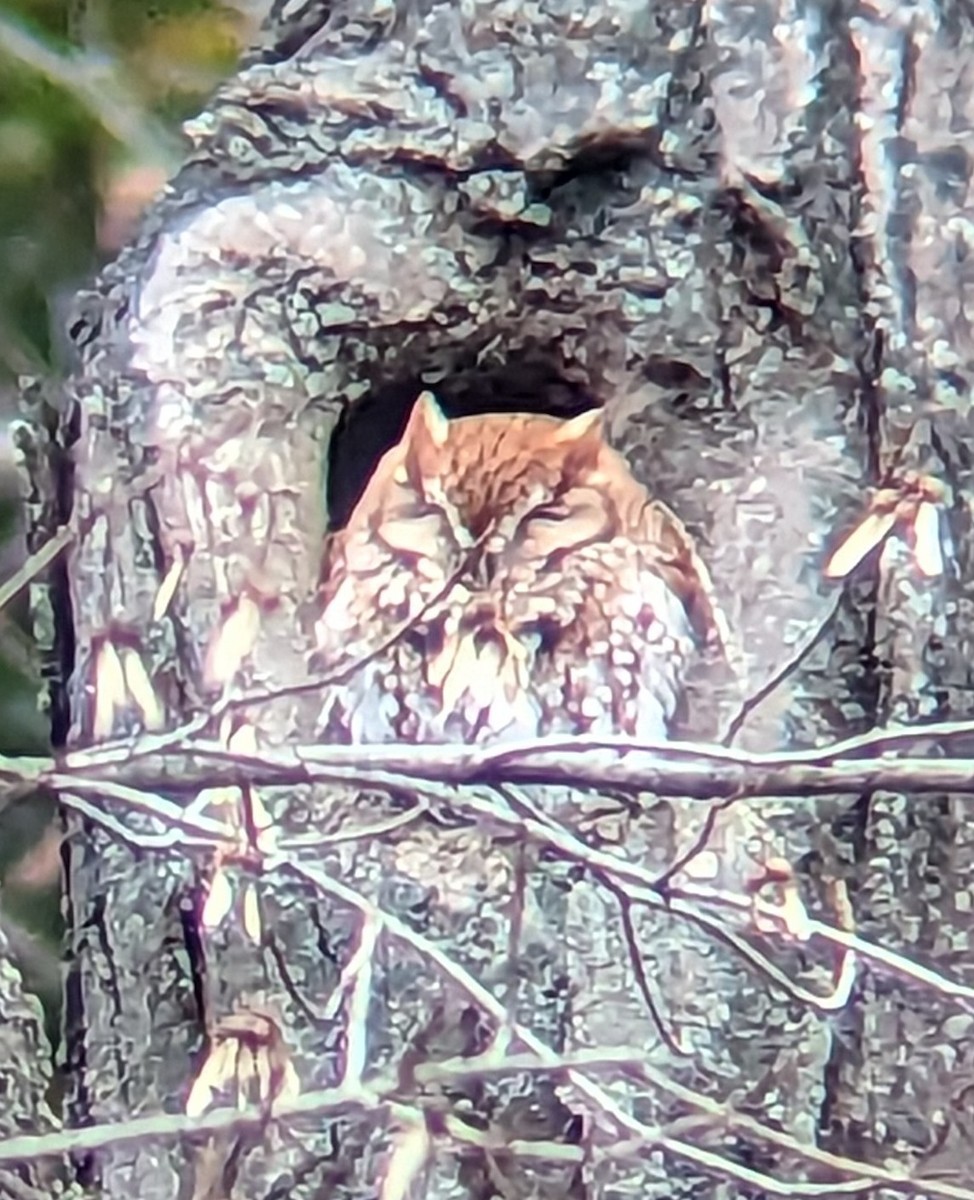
point(74, 118)
point(23, 824)
point(9, 511)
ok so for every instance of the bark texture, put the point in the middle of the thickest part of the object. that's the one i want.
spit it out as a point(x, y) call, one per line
point(743, 231)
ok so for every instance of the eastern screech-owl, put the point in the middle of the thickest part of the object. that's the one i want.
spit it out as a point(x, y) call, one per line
point(506, 576)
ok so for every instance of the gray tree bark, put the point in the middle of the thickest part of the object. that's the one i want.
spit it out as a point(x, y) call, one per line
point(740, 229)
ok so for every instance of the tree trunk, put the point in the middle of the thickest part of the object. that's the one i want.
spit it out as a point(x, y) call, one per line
point(739, 230)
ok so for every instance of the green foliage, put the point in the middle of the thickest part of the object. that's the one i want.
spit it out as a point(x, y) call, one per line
point(90, 99)
point(91, 94)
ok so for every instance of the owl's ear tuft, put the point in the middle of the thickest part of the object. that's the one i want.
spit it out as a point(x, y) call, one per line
point(427, 417)
point(584, 429)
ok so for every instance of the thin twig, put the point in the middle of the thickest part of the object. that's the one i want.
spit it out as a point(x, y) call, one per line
point(771, 685)
point(340, 675)
point(39, 561)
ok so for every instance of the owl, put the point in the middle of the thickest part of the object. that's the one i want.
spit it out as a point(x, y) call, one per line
point(505, 576)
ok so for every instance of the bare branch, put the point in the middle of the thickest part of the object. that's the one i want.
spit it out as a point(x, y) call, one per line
point(37, 562)
point(702, 771)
